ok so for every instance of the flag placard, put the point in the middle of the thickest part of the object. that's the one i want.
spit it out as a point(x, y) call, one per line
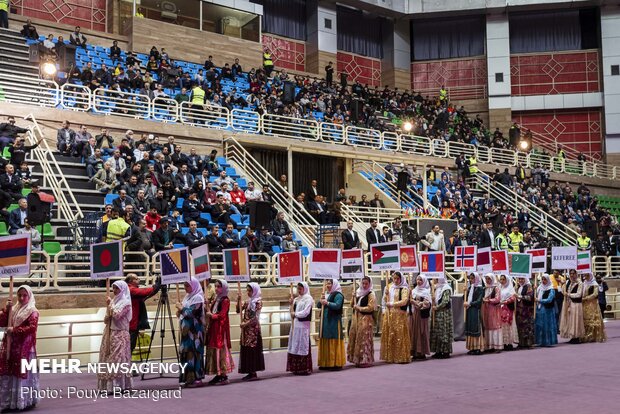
point(324, 264)
point(520, 265)
point(499, 262)
point(290, 267)
point(465, 258)
point(202, 266)
point(352, 264)
point(539, 260)
point(409, 259)
point(584, 261)
point(106, 260)
point(385, 256)
point(483, 260)
point(236, 265)
point(564, 257)
point(432, 264)
point(15, 255)
point(174, 266)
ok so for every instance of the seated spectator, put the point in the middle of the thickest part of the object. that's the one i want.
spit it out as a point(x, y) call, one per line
point(192, 207)
point(279, 227)
point(94, 163)
point(164, 237)
point(11, 184)
point(103, 75)
point(237, 197)
point(209, 197)
point(182, 96)
point(184, 180)
point(35, 235)
point(223, 178)
point(220, 211)
point(88, 149)
point(377, 202)
point(229, 238)
point(105, 142)
point(236, 69)
point(105, 179)
point(50, 46)
point(252, 194)
point(213, 240)
point(195, 163)
point(266, 241)
point(132, 187)
point(152, 219)
point(18, 151)
point(29, 31)
point(17, 216)
point(212, 165)
point(161, 205)
point(23, 172)
point(122, 201)
point(288, 244)
point(194, 238)
point(209, 63)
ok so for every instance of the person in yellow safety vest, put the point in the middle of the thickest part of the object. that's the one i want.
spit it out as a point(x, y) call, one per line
point(267, 62)
point(443, 94)
point(561, 154)
point(197, 99)
point(516, 238)
point(473, 167)
point(501, 241)
point(583, 241)
point(139, 13)
point(4, 14)
point(116, 228)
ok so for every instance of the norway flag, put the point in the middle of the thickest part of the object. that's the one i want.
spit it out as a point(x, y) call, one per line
point(465, 258)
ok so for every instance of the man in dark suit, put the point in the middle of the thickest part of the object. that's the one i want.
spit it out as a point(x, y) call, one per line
point(213, 240)
point(372, 233)
point(163, 237)
point(160, 203)
point(122, 201)
point(487, 236)
point(229, 238)
point(313, 191)
point(316, 209)
point(11, 183)
point(17, 216)
point(350, 239)
point(194, 238)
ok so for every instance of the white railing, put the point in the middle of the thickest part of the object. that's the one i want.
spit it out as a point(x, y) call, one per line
point(47, 93)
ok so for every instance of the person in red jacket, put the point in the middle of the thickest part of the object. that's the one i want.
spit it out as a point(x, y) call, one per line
point(219, 359)
point(139, 317)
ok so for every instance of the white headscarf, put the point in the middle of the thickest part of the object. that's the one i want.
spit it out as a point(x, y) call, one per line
point(301, 301)
point(255, 297)
point(523, 285)
point(123, 298)
point(441, 286)
point(423, 291)
point(361, 292)
point(196, 296)
point(542, 288)
point(224, 294)
point(335, 287)
point(20, 312)
point(507, 290)
point(394, 286)
point(592, 282)
point(477, 283)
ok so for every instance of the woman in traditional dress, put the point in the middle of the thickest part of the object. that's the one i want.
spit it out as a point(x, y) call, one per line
point(474, 341)
point(571, 323)
point(191, 324)
point(507, 310)
point(251, 359)
point(116, 344)
point(395, 337)
point(360, 349)
point(525, 313)
point(546, 328)
point(299, 357)
point(592, 321)
point(219, 358)
point(331, 338)
point(491, 319)
point(442, 330)
point(421, 302)
point(19, 390)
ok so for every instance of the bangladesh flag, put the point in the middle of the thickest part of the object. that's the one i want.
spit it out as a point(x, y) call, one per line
point(520, 264)
point(106, 260)
point(385, 256)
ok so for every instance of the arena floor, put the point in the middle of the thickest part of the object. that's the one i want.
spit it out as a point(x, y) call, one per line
point(565, 379)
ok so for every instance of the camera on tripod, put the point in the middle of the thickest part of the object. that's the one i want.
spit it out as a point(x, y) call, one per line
point(410, 235)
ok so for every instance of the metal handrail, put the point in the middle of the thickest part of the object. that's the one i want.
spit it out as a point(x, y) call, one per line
point(75, 97)
point(30, 91)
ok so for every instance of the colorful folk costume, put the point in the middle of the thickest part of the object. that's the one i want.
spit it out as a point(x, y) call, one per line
point(421, 303)
point(299, 357)
point(524, 314)
point(507, 311)
point(360, 350)
point(546, 329)
point(331, 338)
point(571, 322)
point(191, 344)
point(19, 391)
point(491, 319)
point(474, 333)
point(592, 320)
point(395, 337)
point(219, 358)
point(116, 343)
point(251, 359)
point(442, 329)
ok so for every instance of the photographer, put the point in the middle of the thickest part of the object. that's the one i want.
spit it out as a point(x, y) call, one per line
point(139, 316)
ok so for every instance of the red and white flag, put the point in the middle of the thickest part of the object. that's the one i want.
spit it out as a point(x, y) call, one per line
point(539, 260)
point(324, 264)
point(352, 264)
point(483, 260)
point(499, 261)
point(465, 258)
point(408, 259)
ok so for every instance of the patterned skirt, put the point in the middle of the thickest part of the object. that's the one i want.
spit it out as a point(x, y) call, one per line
point(299, 364)
point(251, 358)
point(360, 350)
point(115, 348)
point(19, 393)
point(219, 361)
point(593, 323)
point(442, 332)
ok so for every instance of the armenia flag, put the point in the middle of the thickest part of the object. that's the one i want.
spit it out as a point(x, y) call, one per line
point(15, 255)
point(236, 265)
point(432, 264)
point(174, 266)
point(202, 267)
point(106, 260)
point(385, 256)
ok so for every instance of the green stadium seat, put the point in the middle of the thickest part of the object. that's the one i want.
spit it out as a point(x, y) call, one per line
point(3, 229)
point(12, 207)
point(52, 248)
point(47, 230)
point(6, 154)
point(26, 191)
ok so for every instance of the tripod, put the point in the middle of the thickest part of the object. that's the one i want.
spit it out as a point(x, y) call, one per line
point(160, 316)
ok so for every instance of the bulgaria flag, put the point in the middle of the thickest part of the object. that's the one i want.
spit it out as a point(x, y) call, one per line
point(324, 264)
point(385, 256)
point(290, 267)
point(236, 265)
point(408, 259)
point(584, 262)
point(352, 264)
point(465, 258)
point(539, 260)
point(106, 260)
point(499, 261)
point(520, 264)
point(202, 269)
point(483, 260)
point(432, 264)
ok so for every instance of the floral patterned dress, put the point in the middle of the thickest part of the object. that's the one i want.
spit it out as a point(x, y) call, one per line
point(191, 347)
point(251, 357)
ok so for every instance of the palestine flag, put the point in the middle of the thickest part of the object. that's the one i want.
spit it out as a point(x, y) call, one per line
point(385, 256)
point(106, 260)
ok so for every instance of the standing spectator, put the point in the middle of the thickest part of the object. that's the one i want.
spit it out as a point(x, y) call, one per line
point(139, 317)
point(434, 240)
point(77, 38)
point(9, 131)
point(140, 240)
point(350, 238)
point(602, 299)
point(18, 151)
point(267, 62)
point(28, 31)
point(4, 14)
point(329, 73)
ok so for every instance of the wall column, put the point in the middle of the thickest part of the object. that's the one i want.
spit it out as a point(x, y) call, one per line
point(396, 62)
point(322, 41)
point(498, 69)
point(610, 51)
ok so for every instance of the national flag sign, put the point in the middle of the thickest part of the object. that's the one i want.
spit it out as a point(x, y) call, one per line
point(106, 260)
point(290, 267)
point(352, 264)
point(15, 255)
point(385, 256)
point(520, 264)
point(174, 266)
point(483, 260)
point(432, 264)
point(409, 259)
point(236, 265)
point(202, 268)
point(499, 261)
point(324, 264)
point(584, 262)
point(539, 260)
point(465, 258)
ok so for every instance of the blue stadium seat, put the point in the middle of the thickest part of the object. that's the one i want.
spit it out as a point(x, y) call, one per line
point(305, 251)
point(110, 197)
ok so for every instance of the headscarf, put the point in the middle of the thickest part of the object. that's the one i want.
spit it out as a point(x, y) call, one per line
point(335, 287)
point(221, 296)
point(507, 290)
point(394, 286)
point(255, 297)
point(542, 288)
point(123, 298)
point(592, 282)
point(196, 296)
point(477, 283)
point(361, 292)
point(423, 291)
point(301, 301)
point(441, 286)
point(20, 312)
point(523, 285)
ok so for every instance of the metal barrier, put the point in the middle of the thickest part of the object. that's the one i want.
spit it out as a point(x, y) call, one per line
point(457, 148)
point(131, 105)
point(29, 91)
point(288, 127)
point(332, 133)
point(363, 137)
point(165, 109)
point(75, 97)
point(245, 121)
point(415, 145)
point(502, 156)
point(440, 148)
point(206, 116)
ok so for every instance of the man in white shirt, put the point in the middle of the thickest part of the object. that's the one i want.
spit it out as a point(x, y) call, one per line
point(434, 240)
point(252, 194)
point(223, 178)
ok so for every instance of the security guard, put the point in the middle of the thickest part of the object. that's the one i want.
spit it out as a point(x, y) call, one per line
point(197, 99)
point(4, 14)
point(443, 95)
point(473, 165)
point(267, 62)
point(115, 228)
point(583, 241)
point(501, 241)
point(516, 238)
